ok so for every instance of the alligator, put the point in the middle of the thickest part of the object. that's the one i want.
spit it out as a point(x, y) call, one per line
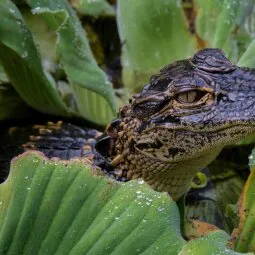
point(172, 129)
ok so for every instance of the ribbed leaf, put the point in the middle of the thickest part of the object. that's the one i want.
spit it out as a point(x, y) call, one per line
point(154, 33)
point(77, 60)
point(208, 13)
point(22, 63)
point(245, 234)
point(59, 207)
point(218, 22)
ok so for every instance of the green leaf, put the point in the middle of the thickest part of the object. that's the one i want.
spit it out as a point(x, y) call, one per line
point(22, 63)
point(249, 24)
point(44, 39)
point(93, 8)
point(247, 58)
point(65, 207)
point(218, 22)
point(77, 60)
point(154, 33)
point(225, 24)
point(207, 14)
point(245, 234)
point(214, 243)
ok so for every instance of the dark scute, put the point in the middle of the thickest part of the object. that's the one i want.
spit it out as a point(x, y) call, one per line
point(177, 68)
point(146, 109)
point(205, 53)
point(159, 84)
point(212, 60)
point(142, 126)
point(155, 145)
point(162, 81)
point(115, 123)
point(167, 119)
point(103, 146)
point(113, 127)
point(175, 150)
point(145, 88)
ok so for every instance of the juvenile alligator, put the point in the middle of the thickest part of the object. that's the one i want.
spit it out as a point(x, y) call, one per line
point(176, 126)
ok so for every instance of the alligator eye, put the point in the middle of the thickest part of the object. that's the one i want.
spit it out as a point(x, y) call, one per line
point(188, 96)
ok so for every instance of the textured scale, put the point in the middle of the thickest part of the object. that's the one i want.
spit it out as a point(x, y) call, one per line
point(61, 140)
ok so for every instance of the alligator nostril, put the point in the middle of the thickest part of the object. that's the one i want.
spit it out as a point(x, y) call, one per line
point(232, 96)
point(224, 96)
point(221, 97)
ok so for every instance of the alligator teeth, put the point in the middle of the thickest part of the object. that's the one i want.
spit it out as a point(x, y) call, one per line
point(44, 131)
point(35, 138)
point(116, 160)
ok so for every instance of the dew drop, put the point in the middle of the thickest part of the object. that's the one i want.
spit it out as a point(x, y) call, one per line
point(36, 10)
point(140, 181)
point(157, 54)
point(160, 209)
point(24, 55)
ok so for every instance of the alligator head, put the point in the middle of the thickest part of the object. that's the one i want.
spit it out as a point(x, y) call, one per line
point(182, 119)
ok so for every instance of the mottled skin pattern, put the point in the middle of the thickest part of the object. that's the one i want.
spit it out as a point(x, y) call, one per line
point(181, 120)
point(55, 140)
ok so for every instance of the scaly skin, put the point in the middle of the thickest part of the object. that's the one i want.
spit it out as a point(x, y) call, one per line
point(181, 120)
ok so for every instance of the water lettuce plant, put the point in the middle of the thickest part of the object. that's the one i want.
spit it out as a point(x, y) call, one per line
point(22, 62)
point(68, 207)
